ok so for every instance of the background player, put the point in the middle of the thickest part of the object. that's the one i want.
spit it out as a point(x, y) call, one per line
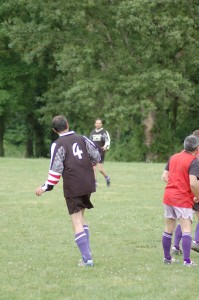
point(101, 139)
point(73, 157)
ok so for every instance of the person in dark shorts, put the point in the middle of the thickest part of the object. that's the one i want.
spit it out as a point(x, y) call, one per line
point(73, 157)
point(176, 250)
point(181, 192)
point(101, 139)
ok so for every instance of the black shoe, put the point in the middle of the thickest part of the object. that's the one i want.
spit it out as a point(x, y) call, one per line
point(176, 251)
point(108, 181)
point(195, 246)
point(170, 261)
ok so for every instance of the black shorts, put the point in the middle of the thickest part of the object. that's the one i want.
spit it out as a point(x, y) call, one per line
point(75, 204)
point(196, 207)
point(102, 154)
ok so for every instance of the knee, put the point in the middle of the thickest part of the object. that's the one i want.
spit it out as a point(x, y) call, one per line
point(100, 168)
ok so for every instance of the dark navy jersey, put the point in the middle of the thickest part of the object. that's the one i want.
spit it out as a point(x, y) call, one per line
point(100, 138)
point(73, 157)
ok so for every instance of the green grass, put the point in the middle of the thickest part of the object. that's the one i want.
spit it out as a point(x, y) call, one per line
point(38, 255)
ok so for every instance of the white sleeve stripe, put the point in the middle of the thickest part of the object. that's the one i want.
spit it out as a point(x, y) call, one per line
point(52, 151)
point(89, 141)
point(54, 173)
point(80, 236)
point(109, 140)
point(46, 184)
point(52, 178)
point(50, 183)
point(107, 143)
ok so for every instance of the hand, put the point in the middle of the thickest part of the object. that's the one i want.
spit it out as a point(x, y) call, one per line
point(39, 191)
point(104, 148)
point(196, 200)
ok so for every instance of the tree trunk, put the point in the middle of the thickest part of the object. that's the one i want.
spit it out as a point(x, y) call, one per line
point(30, 136)
point(2, 129)
point(40, 149)
point(148, 130)
point(29, 148)
point(149, 123)
point(175, 112)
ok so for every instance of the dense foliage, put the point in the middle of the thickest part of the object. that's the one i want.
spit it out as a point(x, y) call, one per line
point(133, 63)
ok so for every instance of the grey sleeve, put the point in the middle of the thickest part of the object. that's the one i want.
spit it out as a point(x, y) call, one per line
point(56, 167)
point(107, 139)
point(92, 150)
point(57, 158)
point(194, 168)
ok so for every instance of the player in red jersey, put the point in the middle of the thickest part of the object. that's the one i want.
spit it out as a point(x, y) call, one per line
point(178, 232)
point(181, 175)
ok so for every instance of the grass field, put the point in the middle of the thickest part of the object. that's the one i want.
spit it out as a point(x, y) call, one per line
point(38, 256)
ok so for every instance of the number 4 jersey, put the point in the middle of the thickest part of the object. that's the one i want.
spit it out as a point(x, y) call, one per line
point(73, 157)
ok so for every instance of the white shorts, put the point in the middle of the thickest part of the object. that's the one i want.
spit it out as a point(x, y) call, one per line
point(174, 212)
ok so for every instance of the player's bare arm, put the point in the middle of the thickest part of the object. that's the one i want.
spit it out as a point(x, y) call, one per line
point(165, 176)
point(194, 184)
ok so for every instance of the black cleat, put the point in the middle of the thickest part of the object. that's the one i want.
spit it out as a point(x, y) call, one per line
point(108, 181)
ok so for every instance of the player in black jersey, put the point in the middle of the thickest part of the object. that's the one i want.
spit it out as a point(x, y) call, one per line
point(101, 139)
point(73, 157)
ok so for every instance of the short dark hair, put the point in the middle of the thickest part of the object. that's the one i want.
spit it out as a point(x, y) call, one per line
point(59, 123)
point(98, 119)
point(191, 143)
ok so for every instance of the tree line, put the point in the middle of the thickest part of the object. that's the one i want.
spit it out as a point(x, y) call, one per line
point(133, 63)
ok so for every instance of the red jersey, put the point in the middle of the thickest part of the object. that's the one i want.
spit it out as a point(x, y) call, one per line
point(178, 192)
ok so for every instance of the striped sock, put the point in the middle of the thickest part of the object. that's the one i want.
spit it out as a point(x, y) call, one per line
point(186, 246)
point(166, 243)
point(86, 230)
point(82, 243)
point(178, 236)
point(196, 238)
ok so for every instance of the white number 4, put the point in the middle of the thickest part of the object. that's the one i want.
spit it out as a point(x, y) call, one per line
point(77, 151)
